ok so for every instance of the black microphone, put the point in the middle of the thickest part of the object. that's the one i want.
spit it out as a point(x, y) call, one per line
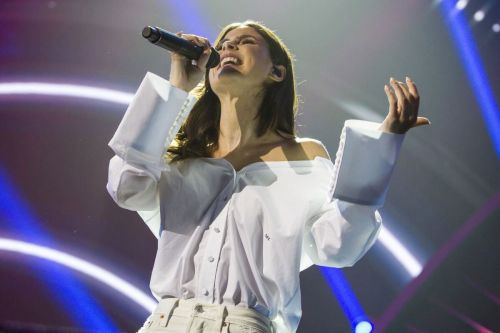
point(174, 43)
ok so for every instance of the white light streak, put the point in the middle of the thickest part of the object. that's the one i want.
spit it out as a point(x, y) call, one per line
point(70, 90)
point(358, 111)
point(82, 266)
point(405, 258)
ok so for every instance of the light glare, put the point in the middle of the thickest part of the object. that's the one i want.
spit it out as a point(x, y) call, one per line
point(70, 90)
point(363, 327)
point(81, 266)
point(479, 16)
point(405, 258)
point(461, 4)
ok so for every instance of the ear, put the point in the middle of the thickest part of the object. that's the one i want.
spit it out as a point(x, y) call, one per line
point(278, 73)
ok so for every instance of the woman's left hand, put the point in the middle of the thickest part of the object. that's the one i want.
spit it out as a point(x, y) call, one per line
point(403, 110)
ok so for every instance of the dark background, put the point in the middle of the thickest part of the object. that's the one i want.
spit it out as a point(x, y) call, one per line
point(444, 195)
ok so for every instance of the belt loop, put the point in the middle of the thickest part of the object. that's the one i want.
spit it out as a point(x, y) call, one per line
point(194, 306)
point(220, 318)
point(165, 309)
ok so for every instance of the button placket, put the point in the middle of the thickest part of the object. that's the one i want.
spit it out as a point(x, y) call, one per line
point(208, 269)
point(211, 257)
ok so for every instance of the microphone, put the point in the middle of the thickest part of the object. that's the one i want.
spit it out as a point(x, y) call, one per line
point(174, 43)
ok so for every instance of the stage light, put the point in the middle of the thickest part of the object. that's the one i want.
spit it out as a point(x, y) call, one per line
point(405, 258)
point(461, 4)
point(82, 266)
point(66, 292)
point(495, 27)
point(347, 299)
point(363, 327)
point(478, 77)
point(479, 16)
point(60, 89)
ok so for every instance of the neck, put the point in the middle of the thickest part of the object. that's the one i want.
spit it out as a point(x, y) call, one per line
point(237, 123)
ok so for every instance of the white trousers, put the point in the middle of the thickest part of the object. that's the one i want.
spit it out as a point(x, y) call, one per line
point(174, 315)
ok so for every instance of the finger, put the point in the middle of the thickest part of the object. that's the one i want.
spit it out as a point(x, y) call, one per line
point(190, 37)
point(197, 40)
point(412, 87)
point(401, 98)
point(392, 101)
point(200, 41)
point(404, 89)
point(175, 55)
point(202, 62)
point(422, 121)
point(413, 91)
point(410, 110)
point(206, 42)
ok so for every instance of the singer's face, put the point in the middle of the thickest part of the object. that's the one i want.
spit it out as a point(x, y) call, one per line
point(248, 65)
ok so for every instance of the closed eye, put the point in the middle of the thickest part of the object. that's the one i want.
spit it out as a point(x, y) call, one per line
point(242, 41)
point(246, 41)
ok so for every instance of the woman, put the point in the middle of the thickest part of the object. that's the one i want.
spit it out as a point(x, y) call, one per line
point(242, 204)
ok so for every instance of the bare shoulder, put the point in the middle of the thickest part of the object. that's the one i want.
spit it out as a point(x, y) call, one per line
point(307, 148)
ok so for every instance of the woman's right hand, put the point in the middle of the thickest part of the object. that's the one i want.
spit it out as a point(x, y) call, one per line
point(183, 73)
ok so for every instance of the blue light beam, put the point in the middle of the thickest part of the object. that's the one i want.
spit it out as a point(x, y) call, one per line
point(345, 296)
point(471, 60)
point(67, 290)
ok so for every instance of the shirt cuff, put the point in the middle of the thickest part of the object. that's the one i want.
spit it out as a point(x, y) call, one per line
point(151, 122)
point(364, 162)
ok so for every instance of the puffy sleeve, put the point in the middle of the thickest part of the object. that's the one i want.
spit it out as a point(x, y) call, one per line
point(149, 125)
point(348, 223)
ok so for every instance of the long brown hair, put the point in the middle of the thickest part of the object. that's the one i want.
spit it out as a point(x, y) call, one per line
point(198, 136)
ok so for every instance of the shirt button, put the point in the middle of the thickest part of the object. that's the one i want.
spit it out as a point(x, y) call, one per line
point(225, 198)
point(210, 258)
point(217, 230)
point(204, 292)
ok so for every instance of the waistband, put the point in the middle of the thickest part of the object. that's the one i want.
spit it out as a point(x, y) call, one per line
point(225, 312)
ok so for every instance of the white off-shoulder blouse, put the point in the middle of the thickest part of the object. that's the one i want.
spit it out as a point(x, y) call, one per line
point(242, 237)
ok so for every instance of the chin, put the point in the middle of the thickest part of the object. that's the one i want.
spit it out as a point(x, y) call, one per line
point(228, 71)
point(226, 76)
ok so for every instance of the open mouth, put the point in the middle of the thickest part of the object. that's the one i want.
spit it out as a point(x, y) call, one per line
point(227, 61)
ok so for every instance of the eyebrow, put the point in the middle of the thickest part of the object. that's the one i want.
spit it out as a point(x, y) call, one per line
point(239, 37)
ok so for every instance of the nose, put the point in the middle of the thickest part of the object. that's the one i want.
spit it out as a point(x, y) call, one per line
point(228, 44)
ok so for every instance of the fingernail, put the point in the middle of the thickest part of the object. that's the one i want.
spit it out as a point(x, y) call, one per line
point(430, 122)
point(408, 79)
point(392, 79)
